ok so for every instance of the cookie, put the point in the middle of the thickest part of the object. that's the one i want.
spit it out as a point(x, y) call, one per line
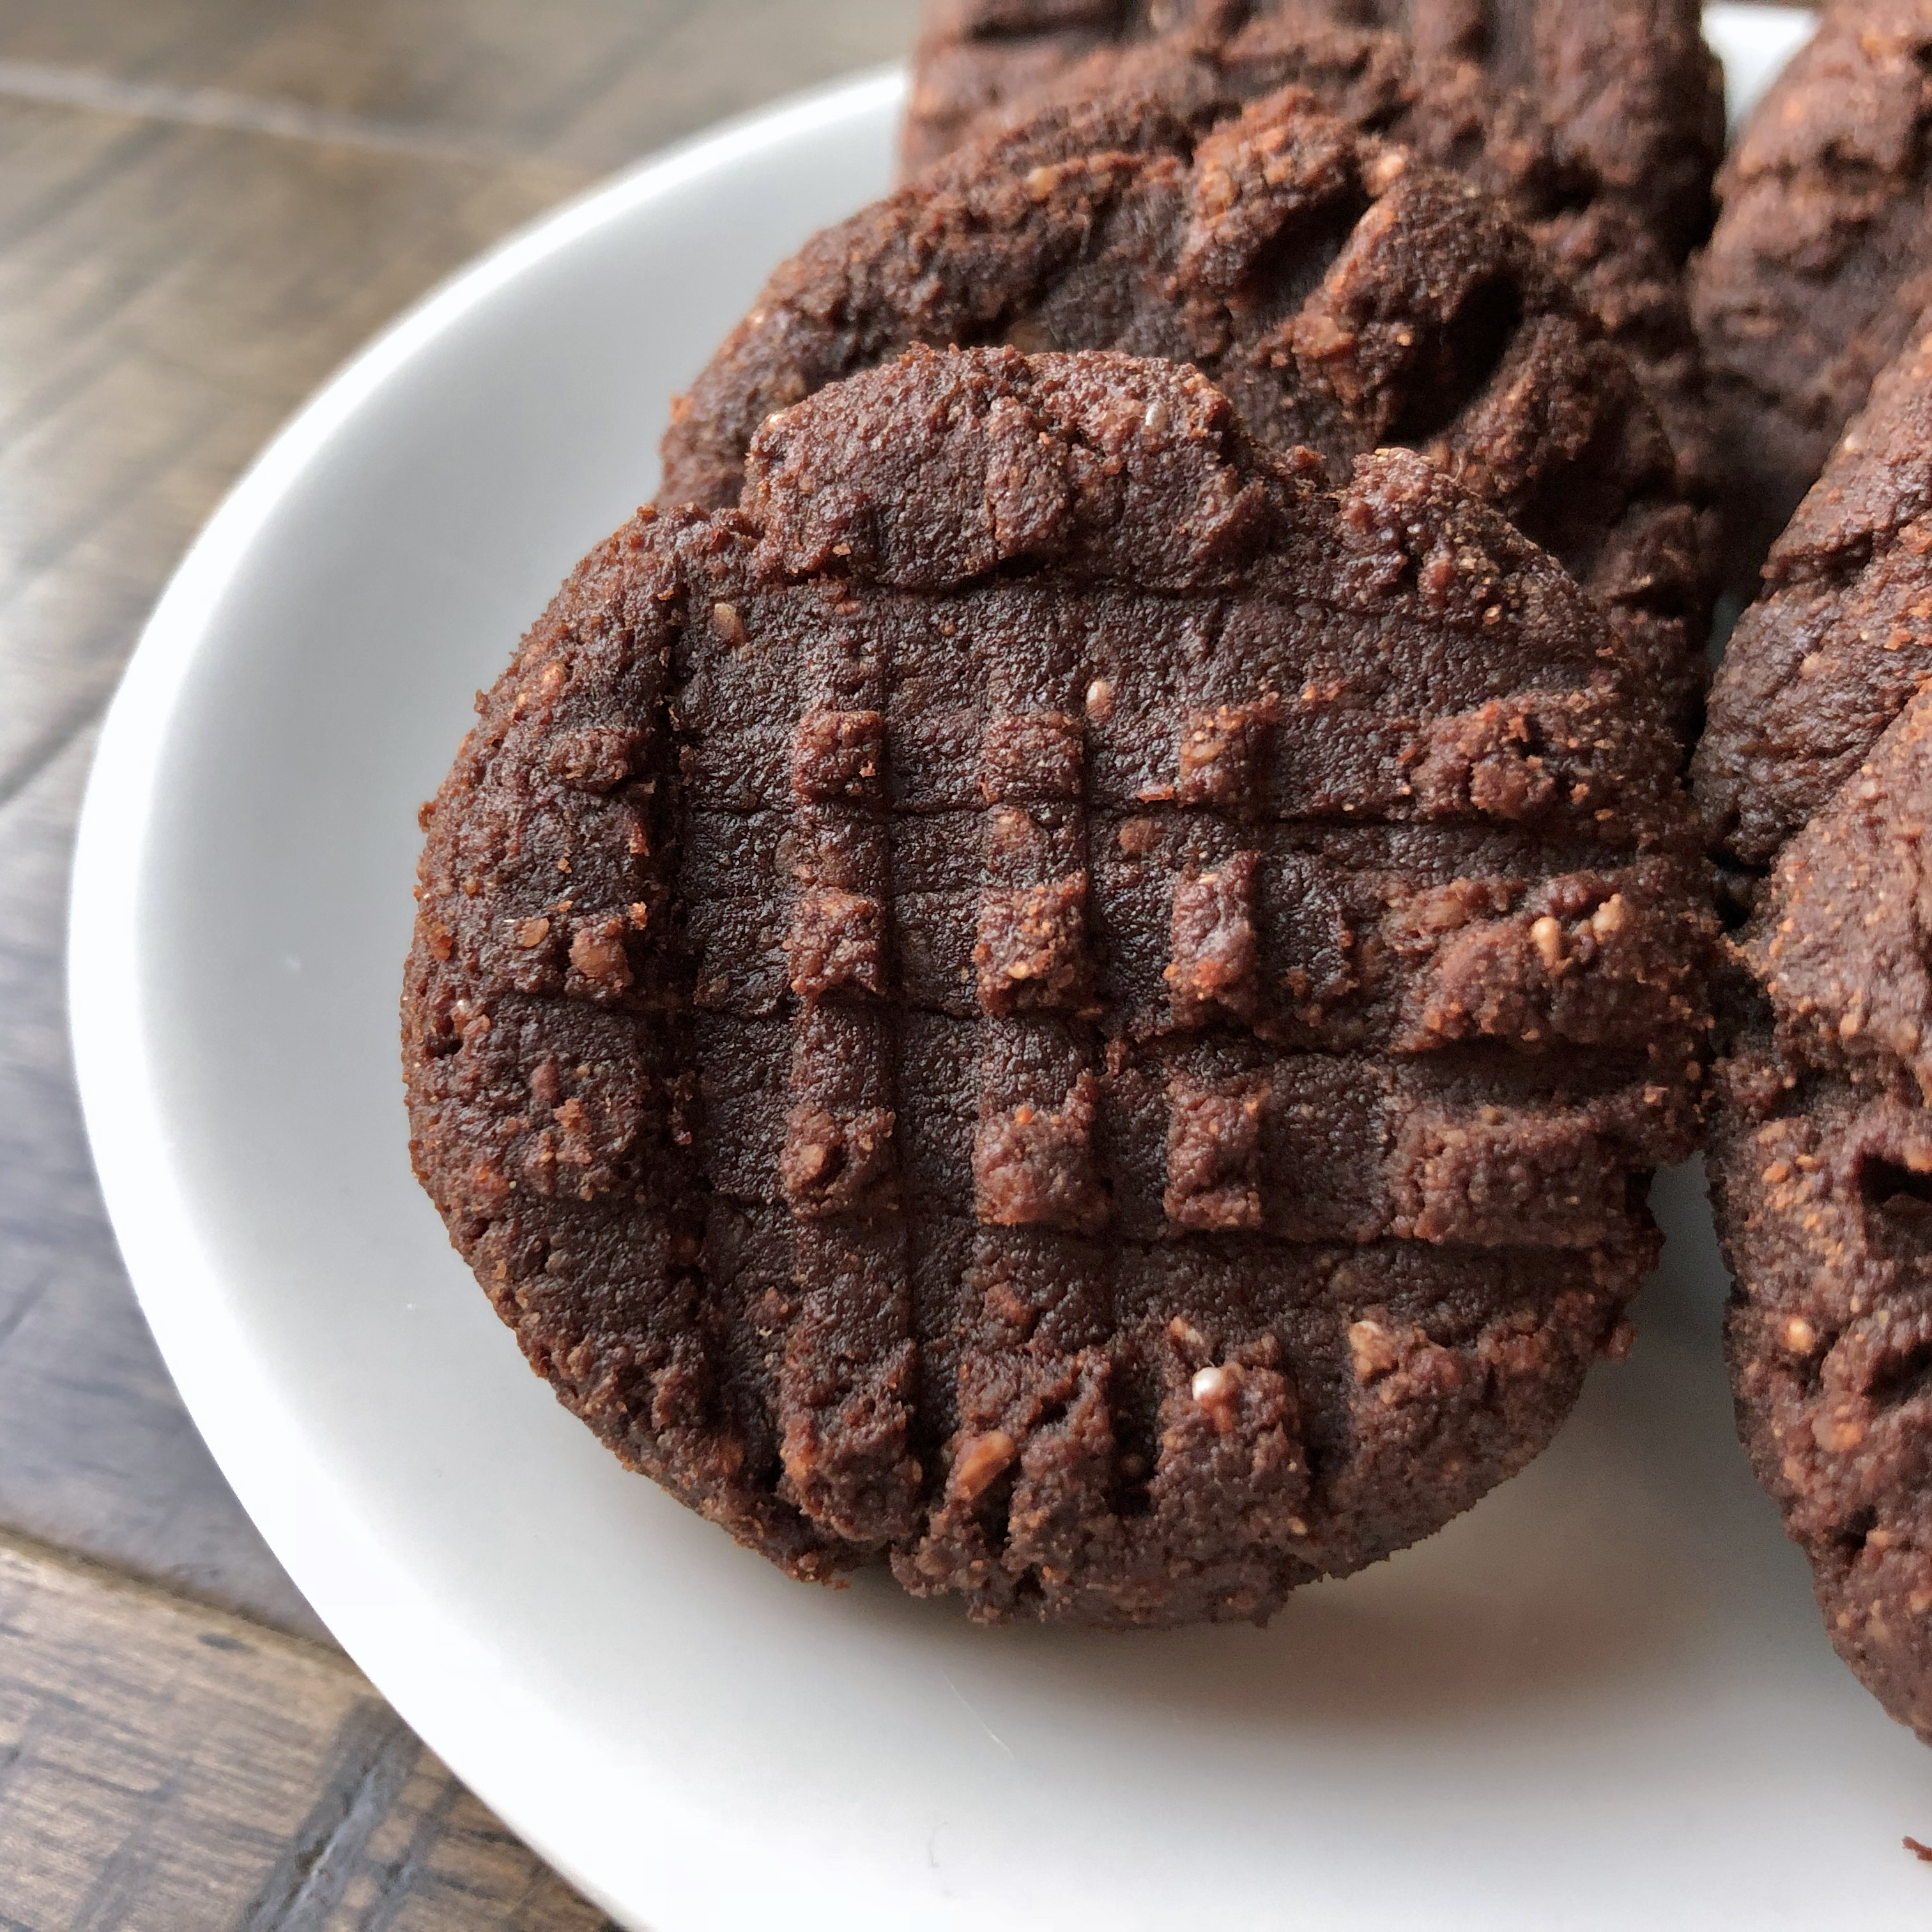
point(1837, 645)
point(1628, 87)
point(1815, 782)
point(1820, 264)
point(1821, 1177)
point(1051, 1003)
point(1451, 113)
point(1343, 294)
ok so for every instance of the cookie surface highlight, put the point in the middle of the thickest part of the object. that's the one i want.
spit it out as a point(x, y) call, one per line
point(1050, 1003)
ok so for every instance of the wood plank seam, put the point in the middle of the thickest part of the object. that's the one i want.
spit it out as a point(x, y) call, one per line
point(46, 751)
point(145, 1784)
point(370, 1762)
point(88, 1572)
point(244, 114)
point(137, 145)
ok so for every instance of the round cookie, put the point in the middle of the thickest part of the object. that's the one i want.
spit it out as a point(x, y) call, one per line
point(1449, 113)
point(1841, 638)
point(1344, 295)
point(1627, 86)
point(1051, 1003)
point(1814, 781)
point(1820, 264)
point(1821, 1172)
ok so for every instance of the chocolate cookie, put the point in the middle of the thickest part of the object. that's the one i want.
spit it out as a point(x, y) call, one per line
point(1628, 87)
point(1818, 767)
point(1839, 642)
point(1050, 1002)
point(1820, 263)
point(1451, 113)
point(1822, 1175)
point(1343, 294)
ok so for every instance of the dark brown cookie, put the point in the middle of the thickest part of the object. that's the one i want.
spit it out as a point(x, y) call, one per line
point(1820, 263)
point(1049, 1002)
point(1822, 1174)
point(1817, 770)
point(1451, 114)
point(1841, 638)
point(1628, 87)
point(1345, 295)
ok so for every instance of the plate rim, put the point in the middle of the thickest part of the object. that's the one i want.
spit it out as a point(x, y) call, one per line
point(268, 1455)
point(264, 1452)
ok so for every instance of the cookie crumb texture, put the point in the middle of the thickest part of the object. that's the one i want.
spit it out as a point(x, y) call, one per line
point(1820, 264)
point(1813, 780)
point(1050, 1003)
point(1823, 1174)
point(1628, 85)
point(1345, 295)
point(1820, 666)
point(1444, 109)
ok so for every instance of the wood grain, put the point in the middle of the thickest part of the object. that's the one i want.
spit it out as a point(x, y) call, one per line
point(591, 83)
point(205, 205)
point(167, 295)
point(165, 1767)
point(168, 292)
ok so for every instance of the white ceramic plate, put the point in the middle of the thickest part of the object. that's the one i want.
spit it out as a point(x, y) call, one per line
point(1603, 1700)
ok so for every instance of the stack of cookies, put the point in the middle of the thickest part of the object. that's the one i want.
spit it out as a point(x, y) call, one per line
point(1063, 972)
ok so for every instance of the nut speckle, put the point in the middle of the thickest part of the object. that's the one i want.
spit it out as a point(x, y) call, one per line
point(980, 1462)
point(597, 951)
point(1371, 1350)
point(1837, 1431)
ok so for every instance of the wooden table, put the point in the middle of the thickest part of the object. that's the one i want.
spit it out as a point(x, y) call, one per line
point(205, 205)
